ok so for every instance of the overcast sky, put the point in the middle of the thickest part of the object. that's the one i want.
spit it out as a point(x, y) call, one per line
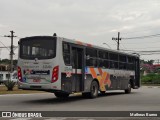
point(91, 21)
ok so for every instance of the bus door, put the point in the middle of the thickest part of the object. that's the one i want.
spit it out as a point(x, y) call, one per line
point(78, 68)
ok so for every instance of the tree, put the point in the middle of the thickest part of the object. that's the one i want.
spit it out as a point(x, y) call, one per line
point(147, 66)
point(150, 62)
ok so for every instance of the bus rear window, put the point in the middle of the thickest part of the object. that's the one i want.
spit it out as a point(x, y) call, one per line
point(38, 47)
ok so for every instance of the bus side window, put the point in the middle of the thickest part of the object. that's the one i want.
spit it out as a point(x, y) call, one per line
point(91, 57)
point(113, 60)
point(122, 62)
point(66, 58)
point(66, 53)
point(113, 64)
point(130, 63)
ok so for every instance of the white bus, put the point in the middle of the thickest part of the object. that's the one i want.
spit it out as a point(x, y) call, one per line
point(65, 66)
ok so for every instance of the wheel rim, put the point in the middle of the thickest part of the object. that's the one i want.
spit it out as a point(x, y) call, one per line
point(94, 90)
point(129, 87)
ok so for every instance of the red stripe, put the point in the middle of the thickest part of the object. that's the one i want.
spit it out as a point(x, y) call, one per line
point(100, 71)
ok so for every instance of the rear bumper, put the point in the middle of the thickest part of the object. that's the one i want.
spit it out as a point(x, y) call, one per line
point(40, 87)
point(136, 87)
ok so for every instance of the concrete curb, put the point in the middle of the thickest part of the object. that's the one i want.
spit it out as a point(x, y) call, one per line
point(151, 86)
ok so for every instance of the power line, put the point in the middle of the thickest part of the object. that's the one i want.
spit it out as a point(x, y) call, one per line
point(142, 37)
point(4, 46)
point(144, 48)
point(144, 42)
point(146, 51)
point(123, 46)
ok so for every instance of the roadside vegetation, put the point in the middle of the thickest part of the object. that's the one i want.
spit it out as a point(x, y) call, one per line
point(9, 84)
point(150, 73)
point(151, 78)
point(4, 90)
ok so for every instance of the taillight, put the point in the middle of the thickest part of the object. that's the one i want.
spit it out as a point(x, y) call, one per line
point(19, 74)
point(55, 74)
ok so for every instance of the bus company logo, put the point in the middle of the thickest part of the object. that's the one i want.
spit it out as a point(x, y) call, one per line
point(6, 114)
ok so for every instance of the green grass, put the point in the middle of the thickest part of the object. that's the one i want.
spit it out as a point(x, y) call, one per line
point(150, 84)
point(3, 90)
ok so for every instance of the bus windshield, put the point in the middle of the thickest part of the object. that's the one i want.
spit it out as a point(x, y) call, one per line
point(38, 47)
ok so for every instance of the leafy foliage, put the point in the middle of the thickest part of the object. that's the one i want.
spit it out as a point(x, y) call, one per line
point(150, 62)
point(7, 61)
point(151, 78)
point(9, 84)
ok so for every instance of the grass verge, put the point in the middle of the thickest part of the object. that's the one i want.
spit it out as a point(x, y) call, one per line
point(150, 84)
point(3, 90)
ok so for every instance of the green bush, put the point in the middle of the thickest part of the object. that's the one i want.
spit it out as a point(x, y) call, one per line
point(151, 78)
point(9, 84)
point(146, 79)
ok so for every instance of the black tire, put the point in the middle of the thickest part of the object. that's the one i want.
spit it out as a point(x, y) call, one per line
point(103, 92)
point(85, 95)
point(128, 90)
point(61, 95)
point(93, 90)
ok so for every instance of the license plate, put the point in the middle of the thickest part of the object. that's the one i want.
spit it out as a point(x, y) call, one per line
point(36, 80)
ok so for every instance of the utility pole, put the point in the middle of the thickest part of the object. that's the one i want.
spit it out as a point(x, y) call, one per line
point(117, 40)
point(11, 51)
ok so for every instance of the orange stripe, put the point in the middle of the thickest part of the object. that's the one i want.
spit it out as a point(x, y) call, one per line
point(107, 78)
point(109, 83)
point(89, 45)
point(94, 75)
point(104, 76)
point(100, 71)
point(79, 42)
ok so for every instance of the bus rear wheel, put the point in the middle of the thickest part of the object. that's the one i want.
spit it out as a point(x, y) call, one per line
point(85, 94)
point(61, 95)
point(102, 92)
point(128, 90)
point(93, 90)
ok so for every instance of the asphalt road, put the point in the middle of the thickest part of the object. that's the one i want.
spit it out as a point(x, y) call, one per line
point(143, 99)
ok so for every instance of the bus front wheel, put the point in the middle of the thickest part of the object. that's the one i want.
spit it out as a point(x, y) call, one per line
point(128, 90)
point(61, 95)
point(94, 89)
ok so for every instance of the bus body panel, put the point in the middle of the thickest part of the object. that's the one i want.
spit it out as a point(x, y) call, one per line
point(72, 78)
point(108, 79)
point(37, 73)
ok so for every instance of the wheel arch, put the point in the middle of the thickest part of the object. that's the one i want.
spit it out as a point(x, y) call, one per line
point(132, 83)
point(95, 79)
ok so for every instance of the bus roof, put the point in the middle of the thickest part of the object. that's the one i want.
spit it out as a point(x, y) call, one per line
point(85, 44)
point(98, 47)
